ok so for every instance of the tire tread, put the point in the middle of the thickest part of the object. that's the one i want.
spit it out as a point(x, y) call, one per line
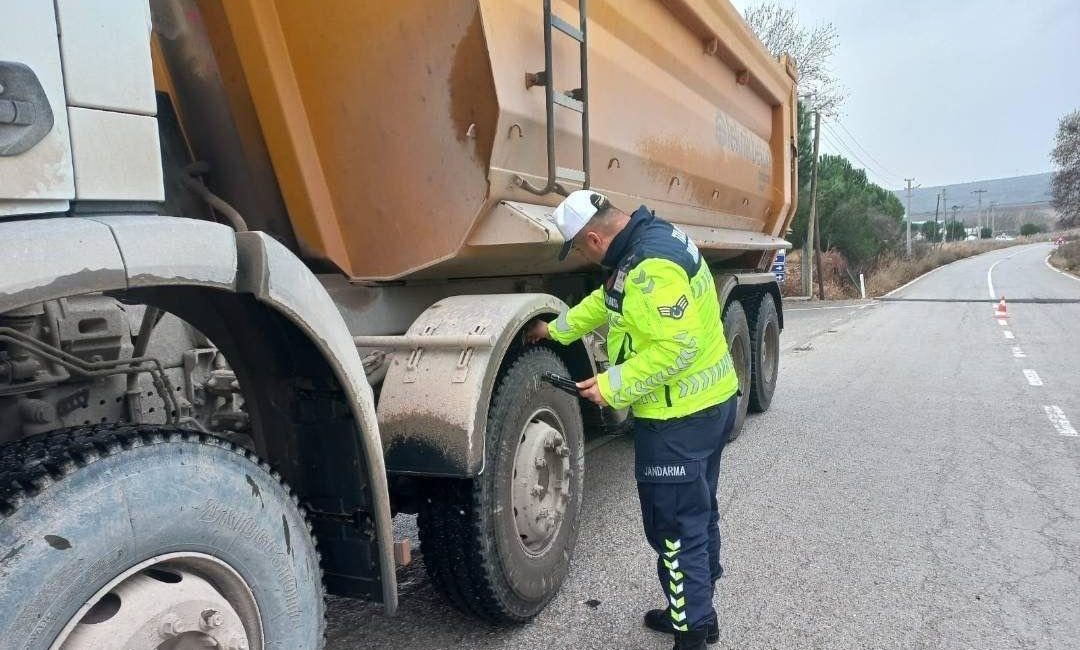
point(28, 466)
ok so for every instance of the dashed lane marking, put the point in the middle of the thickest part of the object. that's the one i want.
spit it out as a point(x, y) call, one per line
point(1033, 377)
point(1018, 353)
point(1059, 421)
point(1008, 334)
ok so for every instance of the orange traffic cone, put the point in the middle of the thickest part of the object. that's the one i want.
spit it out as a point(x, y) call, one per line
point(1001, 311)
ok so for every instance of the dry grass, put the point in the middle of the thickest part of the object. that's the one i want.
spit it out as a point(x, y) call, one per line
point(837, 284)
point(892, 271)
point(1067, 257)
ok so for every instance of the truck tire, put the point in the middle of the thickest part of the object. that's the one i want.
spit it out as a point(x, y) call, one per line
point(738, 339)
point(764, 354)
point(105, 530)
point(499, 545)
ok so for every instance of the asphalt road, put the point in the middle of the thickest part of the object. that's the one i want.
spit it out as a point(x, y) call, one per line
point(910, 488)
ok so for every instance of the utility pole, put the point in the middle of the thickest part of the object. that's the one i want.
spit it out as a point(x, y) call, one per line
point(944, 216)
point(811, 226)
point(937, 208)
point(979, 219)
point(909, 181)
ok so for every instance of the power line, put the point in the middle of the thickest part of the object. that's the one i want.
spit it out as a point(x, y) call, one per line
point(838, 142)
point(868, 167)
point(859, 145)
point(878, 169)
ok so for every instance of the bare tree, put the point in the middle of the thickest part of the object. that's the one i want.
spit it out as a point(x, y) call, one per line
point(779, 30)
point(1065, 184)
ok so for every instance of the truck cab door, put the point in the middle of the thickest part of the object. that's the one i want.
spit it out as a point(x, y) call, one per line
point(36, 173)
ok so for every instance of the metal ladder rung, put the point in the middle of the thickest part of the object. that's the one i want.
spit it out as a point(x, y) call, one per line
point(567, 28)
point(566, 173)
point(568, 102)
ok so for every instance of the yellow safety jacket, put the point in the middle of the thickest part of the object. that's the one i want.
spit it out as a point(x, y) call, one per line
point(665, 335)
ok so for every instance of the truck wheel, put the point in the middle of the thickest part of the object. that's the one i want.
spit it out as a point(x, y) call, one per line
point(738, 340)
point(764, 354)
point(151, 537)
point(499, 545)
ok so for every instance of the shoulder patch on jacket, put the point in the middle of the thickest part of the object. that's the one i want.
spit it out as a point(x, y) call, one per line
point(675, 311)
point(647, 283)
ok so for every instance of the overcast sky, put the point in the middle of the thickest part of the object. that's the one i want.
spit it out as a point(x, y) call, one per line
point(952, 90)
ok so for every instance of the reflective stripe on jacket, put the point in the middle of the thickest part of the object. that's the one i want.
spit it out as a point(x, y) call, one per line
point(665, 340)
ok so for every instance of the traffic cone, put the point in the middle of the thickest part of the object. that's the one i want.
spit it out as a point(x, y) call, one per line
point(1001, 311)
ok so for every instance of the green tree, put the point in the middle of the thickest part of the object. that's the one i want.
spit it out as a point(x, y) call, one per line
point(954, 231)
point(931, 230)
point(857, 217)
point(986, 233)
point(1030, 229)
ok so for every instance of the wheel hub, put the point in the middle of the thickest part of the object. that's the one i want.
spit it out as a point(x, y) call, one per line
point(541, 484)
point(168, 605)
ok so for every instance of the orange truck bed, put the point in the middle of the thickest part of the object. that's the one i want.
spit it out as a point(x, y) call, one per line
point(400, 130)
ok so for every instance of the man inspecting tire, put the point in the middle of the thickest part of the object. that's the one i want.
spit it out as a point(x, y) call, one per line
point(670, 365)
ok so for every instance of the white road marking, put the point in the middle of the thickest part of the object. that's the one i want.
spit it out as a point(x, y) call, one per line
point(1008, 334)
point(990, 277)
point(1002, 322)
point(1059, 421)
point(1018, 353)
point(1055, 269)
point(1033, 377)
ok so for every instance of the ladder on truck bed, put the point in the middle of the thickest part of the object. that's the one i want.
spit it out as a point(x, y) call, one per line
point(576, 100)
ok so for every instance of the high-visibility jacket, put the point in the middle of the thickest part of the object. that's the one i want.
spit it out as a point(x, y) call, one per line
point(665, 339)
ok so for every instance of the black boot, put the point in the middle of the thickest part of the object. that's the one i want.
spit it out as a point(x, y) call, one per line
point(660, 620)
point(692, 640)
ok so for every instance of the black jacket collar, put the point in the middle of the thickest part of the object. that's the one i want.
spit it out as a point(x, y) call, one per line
point(623, 243)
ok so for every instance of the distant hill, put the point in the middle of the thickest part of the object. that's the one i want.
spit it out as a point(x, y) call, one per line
point(1016, 191)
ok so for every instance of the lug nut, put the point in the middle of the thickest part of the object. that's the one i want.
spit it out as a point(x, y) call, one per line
point(211, 618)
point(171, 626)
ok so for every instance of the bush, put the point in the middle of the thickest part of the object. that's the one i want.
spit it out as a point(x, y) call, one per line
point(1067, 257)
point(986, 233)
point(1029, 229)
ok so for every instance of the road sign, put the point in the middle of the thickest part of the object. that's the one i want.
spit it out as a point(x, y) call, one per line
point(779, 266)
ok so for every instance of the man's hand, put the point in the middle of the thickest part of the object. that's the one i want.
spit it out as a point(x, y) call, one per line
point(537, 332)
point(590, 391)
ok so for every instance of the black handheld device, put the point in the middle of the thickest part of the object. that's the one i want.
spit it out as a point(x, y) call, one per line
point(562, 383)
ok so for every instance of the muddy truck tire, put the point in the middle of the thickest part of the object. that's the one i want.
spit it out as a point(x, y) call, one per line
point(109, 531)
point(764, 354)
point(499, 545)
point(737, 332)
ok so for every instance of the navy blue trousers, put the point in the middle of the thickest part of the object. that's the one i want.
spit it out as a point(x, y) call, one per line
point(677, 466)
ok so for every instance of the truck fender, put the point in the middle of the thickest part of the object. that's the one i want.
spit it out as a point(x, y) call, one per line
point(47, 259)
point(433, 407)
point(279, 279)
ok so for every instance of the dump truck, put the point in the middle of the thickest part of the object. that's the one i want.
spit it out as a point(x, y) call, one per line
point(265, 269)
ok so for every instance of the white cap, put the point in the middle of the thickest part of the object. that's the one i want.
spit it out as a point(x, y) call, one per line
point(573, 213)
